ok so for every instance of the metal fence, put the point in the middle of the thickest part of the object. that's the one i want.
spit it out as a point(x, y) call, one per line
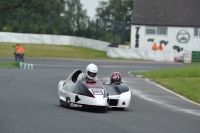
point(110, 31)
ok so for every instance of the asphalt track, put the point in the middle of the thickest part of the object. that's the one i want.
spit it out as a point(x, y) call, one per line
point(29, 101)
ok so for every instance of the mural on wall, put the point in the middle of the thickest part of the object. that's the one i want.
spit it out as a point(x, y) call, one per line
point(177, 48)
point(137, 37)
point(163, 42)
point(150, 40)
point(178, 57)
point(183, 36)
point(155, 47)
point(160, 47)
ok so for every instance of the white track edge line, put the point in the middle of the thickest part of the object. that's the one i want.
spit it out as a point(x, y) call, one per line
point(130, 73)
point(182, 97)
point(172, 92)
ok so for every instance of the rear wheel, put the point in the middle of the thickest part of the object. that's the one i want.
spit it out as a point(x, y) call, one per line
point(121, 108)
point(116, 108)
point(103, 109)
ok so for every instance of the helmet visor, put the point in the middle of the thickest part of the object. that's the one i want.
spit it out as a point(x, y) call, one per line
point(92, 74)
point(117, 82)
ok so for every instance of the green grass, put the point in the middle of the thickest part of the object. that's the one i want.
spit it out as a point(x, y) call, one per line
point(184, 81)
point(187, 72)
point(9, 65)
point(53, 51)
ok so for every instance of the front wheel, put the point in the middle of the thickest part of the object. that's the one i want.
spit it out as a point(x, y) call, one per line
point(68, 101)
point(62, 103)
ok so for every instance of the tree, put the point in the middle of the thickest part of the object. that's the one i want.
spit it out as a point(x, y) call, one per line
point(64, 17)
point(114, 12)
point(76, 16)
point(117, 10)
point(31, 16)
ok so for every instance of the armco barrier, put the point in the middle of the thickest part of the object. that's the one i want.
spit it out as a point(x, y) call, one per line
point(26, 66)
point(191, 56)
point(187, 57)
point(195, 56)
point(53, 40)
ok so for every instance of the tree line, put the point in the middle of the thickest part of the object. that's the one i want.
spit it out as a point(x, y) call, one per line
point(65, 17)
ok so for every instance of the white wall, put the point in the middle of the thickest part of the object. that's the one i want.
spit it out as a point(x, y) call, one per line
point(140, 54)
point(53, 39)
point(192, 45)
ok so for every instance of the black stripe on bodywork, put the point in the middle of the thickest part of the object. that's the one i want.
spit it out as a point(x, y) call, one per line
point(82, 89)
point(113, 89)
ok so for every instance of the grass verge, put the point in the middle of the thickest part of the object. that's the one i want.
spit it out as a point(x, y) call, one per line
point(184, 81)
point(9, 64)
point(53, 51)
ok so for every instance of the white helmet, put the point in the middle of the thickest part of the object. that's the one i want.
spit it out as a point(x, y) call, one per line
point(91, 71)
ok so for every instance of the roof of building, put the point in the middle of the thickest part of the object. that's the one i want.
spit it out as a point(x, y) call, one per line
point(167, 13)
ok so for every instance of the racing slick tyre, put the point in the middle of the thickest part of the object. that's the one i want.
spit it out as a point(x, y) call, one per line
point(103, 109)
point(62, 103)
point(68, 101)
point(116, 108)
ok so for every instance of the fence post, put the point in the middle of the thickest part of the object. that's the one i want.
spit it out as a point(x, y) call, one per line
point(114, 31)
point(122, 39)
point(49, 20)
point(104, 30)
point(78, 25)
point(22, 23)
point(88, 29)
point(97, 21)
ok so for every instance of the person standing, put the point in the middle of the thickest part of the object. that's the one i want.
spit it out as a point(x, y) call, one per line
point(17, 52)
point(22, 53)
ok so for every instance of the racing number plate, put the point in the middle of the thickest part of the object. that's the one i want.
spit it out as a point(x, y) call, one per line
point(97, 91)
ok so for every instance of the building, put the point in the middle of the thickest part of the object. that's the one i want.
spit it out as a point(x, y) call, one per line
point(164, 29)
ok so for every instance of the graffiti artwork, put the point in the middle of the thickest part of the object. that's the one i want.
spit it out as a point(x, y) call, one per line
point(154, 47)
point(177, 48)
point(137, 37)
point(163, 42)
point(150, 40)
point(160, 47)
point(183, 36)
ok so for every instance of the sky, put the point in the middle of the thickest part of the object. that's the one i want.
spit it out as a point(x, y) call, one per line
point(90, 6)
